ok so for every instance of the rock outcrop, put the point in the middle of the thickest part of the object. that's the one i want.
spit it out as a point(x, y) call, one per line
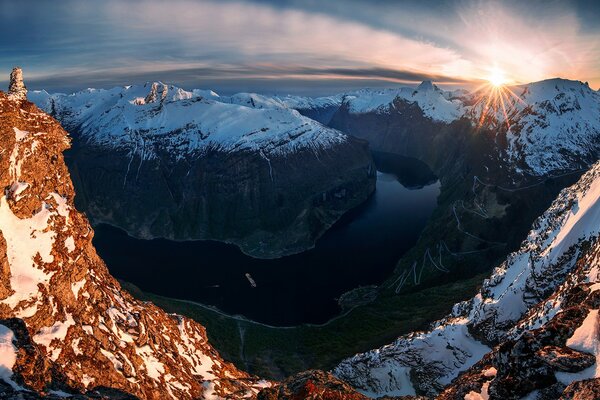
point(558, 357)
point(66, 326)
point(16, 87)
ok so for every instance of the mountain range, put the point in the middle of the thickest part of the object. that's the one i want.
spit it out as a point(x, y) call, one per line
point(530, 331)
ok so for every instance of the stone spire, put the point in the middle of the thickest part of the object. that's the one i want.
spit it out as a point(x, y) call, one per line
point(16, 87)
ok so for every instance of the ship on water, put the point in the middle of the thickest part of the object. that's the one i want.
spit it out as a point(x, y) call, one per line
point(250, 279)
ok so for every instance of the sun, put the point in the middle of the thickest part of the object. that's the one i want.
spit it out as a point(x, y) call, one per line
point(497, 77)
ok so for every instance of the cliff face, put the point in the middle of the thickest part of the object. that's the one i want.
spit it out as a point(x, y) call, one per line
point(531, 327)
point(552, 352)
point(65, 324)
point(181, 165)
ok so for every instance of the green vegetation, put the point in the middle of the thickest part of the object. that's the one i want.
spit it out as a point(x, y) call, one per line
point(275, 352)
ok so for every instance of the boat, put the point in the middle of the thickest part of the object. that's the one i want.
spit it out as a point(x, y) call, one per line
point(250, 279)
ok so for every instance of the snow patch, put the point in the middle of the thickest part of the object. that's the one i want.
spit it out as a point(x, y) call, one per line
point(26, 239)
point(154, 368)
point(19, 134)
point(8, 355)
point(58, 331)
point(76, 287)
point(586, 339)
point(70, 244)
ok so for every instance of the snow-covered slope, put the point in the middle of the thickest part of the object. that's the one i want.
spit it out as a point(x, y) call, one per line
point(553, 352)
point(255, 100)
point(547, 126)
point(434, 102)
point(184, 122)
point(425, 362)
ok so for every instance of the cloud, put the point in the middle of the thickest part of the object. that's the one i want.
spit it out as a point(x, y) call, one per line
point(193, 42)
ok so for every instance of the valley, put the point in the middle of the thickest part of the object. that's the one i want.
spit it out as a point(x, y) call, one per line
point(213, 273)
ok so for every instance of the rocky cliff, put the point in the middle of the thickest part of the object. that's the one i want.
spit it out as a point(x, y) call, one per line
point(66, 326)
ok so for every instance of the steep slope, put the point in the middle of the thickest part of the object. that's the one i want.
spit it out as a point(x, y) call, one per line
point(425, 362)
point(552, 352)
point(159, 161)
point(543, 127)
point(65, 324)
point(539, 129)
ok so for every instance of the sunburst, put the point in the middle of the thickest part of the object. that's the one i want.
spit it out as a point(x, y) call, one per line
point(497, 95)
point(497, 77)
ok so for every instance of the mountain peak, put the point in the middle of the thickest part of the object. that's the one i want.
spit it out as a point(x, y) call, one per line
point(560, 84)
point(16, 87)
point(426, 86)
point(152, 97)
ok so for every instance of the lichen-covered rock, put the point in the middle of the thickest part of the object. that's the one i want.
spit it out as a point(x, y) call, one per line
point(582, 390)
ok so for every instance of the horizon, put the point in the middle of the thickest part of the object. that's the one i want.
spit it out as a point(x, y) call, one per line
point(298, 47)
point(446, 87)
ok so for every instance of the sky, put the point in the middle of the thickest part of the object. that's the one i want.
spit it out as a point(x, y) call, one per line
point(310, 47)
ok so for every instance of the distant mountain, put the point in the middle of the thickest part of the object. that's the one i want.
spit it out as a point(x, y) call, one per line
point(66, 326)
point(159, 161)
point(542, 127)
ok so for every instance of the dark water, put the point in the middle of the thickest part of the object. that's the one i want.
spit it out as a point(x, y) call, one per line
point(360, 249)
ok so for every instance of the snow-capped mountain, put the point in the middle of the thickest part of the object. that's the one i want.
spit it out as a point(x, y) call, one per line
point(426, 362)
point(547, 127)
point(160, 161)
point(66, 326)
point(184, 122)
point(435, 103)
point(320, 109)
point(542, 128)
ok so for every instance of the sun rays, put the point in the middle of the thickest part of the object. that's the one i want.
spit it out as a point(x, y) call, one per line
point(497, 77)
point(495, 99)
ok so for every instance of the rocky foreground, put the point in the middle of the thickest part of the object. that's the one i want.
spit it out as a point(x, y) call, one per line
point(66, 326)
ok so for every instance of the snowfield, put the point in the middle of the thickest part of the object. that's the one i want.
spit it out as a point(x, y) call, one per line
point(184, 122)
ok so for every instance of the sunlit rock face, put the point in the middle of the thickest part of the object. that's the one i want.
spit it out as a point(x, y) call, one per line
point(66, 326)
point(159, 161)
